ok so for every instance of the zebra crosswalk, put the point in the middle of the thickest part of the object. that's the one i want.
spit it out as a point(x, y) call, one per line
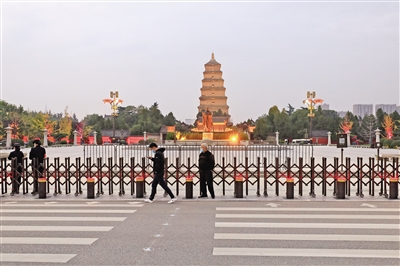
point(307, 232)
point(24, 225)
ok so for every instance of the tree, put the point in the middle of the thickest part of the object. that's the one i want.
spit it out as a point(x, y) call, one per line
point(169, 119)
point(346, 125)
point(368, 125)
point(39, 122)
point(65, 124)
point(388, 125)
point(380, 114)
point(263, 127)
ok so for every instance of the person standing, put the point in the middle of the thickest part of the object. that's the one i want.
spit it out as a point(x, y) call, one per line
point(158, 170)
point(18, 155)
point(37, 155)
point(206, 165)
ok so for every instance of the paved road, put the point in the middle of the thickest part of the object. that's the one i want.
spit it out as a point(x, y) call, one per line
point(202, 232)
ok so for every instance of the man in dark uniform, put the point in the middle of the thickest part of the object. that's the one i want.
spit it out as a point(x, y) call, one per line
point(18, 155)
point(158, 169)
point(37, 156)
point(206, 165)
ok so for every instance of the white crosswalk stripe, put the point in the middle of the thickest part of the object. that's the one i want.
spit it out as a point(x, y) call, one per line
point(76, 205)
point(73, 219)
point(265, 225)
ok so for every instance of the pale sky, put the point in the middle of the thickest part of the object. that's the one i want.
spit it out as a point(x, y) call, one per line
point(73, 54)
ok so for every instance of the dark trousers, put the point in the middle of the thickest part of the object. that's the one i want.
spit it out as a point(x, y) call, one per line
point(159, 179)
point(206, 178)
point(17, 179)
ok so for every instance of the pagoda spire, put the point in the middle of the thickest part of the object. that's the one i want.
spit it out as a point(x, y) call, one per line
point(212, 56)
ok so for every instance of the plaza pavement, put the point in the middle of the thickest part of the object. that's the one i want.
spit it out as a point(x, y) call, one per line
point(201, 232)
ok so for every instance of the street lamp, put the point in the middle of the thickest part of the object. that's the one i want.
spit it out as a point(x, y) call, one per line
point(311, 102)
point(114, 101)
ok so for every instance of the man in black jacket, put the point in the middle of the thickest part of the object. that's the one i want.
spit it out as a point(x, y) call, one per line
point(158, 169)
point(206, 165)
point(37, 155)
point(18, 155)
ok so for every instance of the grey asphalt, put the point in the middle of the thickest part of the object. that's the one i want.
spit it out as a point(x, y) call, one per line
point(183, 233)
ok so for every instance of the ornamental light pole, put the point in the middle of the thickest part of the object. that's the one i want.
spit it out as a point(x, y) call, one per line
point(311, 102)
point(114, 101)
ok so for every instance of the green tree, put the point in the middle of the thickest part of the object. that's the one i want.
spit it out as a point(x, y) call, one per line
point(169, 120)
point(380, 115)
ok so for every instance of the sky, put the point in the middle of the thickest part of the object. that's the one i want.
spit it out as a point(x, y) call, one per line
point(73, 53)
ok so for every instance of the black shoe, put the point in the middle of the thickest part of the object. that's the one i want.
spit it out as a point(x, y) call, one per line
point(213, 196)
point(203, 196)
point(33, 192)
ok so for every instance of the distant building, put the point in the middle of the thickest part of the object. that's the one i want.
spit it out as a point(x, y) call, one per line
point(398, 109)
point(342, 114)
point(325, 106)
point(363, 109)
point(387, 108)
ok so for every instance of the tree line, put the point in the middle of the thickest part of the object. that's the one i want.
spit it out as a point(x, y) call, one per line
point(289, 122)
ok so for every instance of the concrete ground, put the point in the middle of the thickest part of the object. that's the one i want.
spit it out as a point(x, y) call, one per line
point(103, 231)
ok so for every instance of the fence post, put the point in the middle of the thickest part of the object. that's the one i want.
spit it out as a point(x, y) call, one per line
point(324, 176)
point(384, 179)
point(301, 176)
point(90, 187)
point(348, 176)
point(394, 181)
point(360, 176)
point(246, 160)
point(258, 176)
point(394, 187)
point(238, 181)
point(142, 180)
point(42, 187)
point(336, 174)
point(189, 182)
point(277, 176)
point(289, 181)
point(265, 168)
point(341, 187)
point(312, 188)
point(121, 176)
point(110, 175)
point(223, 176)
point(371, 177)
point(132, 175)
point(99, 177)
point(140, 186)
point(177, 176)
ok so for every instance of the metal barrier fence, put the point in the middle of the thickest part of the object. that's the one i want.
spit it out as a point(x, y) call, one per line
point(259, 177)
point(174, 152)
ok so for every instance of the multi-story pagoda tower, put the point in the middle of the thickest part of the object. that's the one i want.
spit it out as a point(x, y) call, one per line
point(213, 92)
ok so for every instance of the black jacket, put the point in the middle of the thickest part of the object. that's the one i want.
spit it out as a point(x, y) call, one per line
point(206, 161)
point(16, 154)
point(158, 160)
point(39, 153)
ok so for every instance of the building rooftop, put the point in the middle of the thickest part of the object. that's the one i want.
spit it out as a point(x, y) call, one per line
point(212, 61)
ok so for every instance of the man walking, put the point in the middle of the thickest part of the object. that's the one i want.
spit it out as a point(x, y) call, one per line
point(158, 170)
point(206, 165)
point(37, 155)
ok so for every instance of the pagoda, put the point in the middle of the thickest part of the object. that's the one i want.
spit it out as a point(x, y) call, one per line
point(213, 98)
